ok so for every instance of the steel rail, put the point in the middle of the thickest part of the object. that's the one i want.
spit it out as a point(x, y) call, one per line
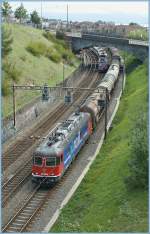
point(12, 185)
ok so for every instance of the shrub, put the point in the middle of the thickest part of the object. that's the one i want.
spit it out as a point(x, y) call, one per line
point(63, 43)
point(60, 35)
point(138, 34)
point(49, 36)
point(14, 73)
point(37, 48)
point(5, 89)
point(11, 72)
point(7, 40)
point(5, 85)
point(23, 58)
point(53, 55)
point(60, 48)
point(138, 163)
point(66, 53)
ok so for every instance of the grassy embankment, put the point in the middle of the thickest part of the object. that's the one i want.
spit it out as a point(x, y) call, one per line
point(34, 69)
point(103, 203)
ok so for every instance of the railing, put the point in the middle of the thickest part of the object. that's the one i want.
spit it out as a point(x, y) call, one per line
point(138, 42)
point(130, 41)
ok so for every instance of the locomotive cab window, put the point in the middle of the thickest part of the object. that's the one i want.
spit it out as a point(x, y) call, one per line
point(51, 162)
point(38, 161)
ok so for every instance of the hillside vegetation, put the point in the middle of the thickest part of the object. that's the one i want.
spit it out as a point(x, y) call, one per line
point(38, 60)
point(103, 202)
point(138, 34)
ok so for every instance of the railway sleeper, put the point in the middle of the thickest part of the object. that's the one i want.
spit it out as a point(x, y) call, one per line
point(22, 218)
point(17, 224)
point(12, 229)
point(36, 201)
point(27, 211)
point(32, 207)
point(24, 214)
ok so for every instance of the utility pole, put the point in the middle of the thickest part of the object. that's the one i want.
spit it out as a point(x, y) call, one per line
point(14, 107)
point(67, 16)
point(63, 73)
point(41, 16)
point(123, 74)
point(106, 103)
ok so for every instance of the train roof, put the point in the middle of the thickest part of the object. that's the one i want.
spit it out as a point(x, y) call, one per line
point(59, 137)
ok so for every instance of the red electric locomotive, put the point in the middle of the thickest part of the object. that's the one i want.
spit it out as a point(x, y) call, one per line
point(52, 158)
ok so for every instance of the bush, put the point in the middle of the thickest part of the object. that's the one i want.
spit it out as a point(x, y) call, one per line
point(37, 48)
point(14, 73)
point(23, 58)
point(53, 55)
point(60, 35)
point(61, 48)
point(63, 44)
point(5, 84)
point(49, 36)
point(7, 40)
point(138, 34)
point(11, 72)
point(138, 163)
point(66, 53)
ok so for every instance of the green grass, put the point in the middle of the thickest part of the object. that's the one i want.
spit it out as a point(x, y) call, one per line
point(39, 70)
point(138, 34)
point(102, 203)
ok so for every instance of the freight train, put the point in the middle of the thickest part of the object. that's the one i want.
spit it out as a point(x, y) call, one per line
point(53, 156)
point(103, 62)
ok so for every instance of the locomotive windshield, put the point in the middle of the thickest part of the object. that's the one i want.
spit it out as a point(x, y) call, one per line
point(52, 161)
point(38, 161)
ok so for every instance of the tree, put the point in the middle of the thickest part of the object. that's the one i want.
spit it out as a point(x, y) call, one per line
point(7, 40)
point(6, 10)
point(138, 163)
point(133, 24)
point(21, 13)
point(35, 18)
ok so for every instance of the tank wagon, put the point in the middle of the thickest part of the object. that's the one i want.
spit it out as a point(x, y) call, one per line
point(53, 156)
point(91, 104)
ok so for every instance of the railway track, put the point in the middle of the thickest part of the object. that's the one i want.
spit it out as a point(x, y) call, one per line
point(31, 206)
point(20, 177)
point(22, 145)
point(11, 186)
